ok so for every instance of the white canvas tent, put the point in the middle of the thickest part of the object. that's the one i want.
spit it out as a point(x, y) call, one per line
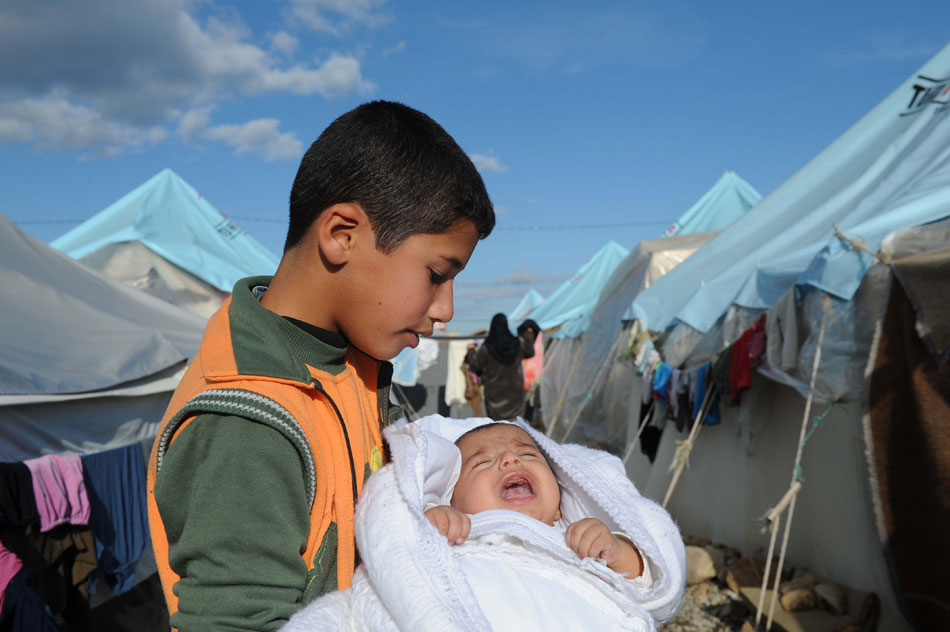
point(87, 363)
point(819, 249)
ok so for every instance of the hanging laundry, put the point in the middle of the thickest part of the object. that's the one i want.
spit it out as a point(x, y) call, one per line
point(455, 378)
point(116, 483)
point(59, 490)
point(739, 372)
point(703, 383)
point(781, 327)
point(661, 381)
point(10, 565)
point(17, 499)
point(643, 356)
point(679, 398)
point(757, 342)
point(650, 441)
point(58, 562)
point(23, 610)
point(653, 357)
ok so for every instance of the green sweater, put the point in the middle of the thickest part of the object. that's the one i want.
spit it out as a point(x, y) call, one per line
point(232, 494)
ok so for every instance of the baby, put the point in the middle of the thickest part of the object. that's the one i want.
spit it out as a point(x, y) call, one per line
point(503, 468)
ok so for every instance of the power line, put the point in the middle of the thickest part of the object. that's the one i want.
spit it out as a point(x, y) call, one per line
point(535, 227)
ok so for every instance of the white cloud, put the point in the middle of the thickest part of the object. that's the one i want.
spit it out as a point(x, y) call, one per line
point(885, 48)
point(338, 76)
point(117, 74)
point(284, 43)
point(336, 16)
point(260, 136)
point(54, 123)
point(487, 162)
point(398, 48)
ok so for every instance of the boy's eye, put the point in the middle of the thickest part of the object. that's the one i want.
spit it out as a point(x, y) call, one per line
point(437, 277)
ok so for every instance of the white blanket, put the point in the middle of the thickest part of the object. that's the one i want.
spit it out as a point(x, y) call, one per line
point(512, 572)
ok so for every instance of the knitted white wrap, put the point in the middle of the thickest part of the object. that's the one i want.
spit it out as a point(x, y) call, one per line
point(513, 571)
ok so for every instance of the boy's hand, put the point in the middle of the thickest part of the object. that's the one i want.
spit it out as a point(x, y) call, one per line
point(450, 522)
point(591, 538)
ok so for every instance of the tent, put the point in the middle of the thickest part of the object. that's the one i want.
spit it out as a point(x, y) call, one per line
point(166, 239)
point(87, 362)
point(524, 308)
point(87, 365)
point(725, 202)
point(577, 295)
point(581, 365)
point(821, 257)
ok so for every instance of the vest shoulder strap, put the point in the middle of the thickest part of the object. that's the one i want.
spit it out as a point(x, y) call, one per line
point(239, 402)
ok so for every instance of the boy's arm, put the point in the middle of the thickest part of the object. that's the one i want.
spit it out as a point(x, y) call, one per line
point(233, 501)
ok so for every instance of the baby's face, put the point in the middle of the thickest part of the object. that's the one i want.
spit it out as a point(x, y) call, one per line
point(502, 468)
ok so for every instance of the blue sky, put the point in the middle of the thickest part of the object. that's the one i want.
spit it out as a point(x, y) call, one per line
point(578, 114)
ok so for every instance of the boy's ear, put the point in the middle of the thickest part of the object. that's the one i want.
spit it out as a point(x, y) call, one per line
point(338, 229)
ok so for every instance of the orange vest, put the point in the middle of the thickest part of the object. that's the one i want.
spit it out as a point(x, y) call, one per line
point(335, 454)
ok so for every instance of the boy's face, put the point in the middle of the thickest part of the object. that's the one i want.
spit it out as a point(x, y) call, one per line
point(400, 295)
point(502, 468)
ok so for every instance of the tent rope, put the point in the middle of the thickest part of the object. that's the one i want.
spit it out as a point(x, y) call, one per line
point(815, 425)
point(794, 486)
point(691, 441)
point(858, 245)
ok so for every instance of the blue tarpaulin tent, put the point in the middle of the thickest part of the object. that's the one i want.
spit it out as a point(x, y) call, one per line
point(725, 202)
point(524, 308)
point(890, 170)
point(578, 295)
point(172, 220)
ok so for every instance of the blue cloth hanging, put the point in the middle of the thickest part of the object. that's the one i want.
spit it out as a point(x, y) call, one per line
point(115, 483)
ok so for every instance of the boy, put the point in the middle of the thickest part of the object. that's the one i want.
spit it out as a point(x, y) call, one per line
point(267, 441)
point(503, 468)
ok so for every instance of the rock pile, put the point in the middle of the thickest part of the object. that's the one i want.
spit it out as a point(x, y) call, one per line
point(723, 584)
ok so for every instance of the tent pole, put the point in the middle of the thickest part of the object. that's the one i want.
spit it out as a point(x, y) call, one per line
point(685, 447)
point(795, 471)
point(560, 401)
point(590, 392)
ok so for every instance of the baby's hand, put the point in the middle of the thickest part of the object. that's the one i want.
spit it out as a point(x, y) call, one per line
point(450, 522)
point(591, 538)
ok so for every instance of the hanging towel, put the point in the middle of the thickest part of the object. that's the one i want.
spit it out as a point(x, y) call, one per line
point(116, 483)
point(454, 376)
point(59, 490)
point(17, 500)
point(661, 381)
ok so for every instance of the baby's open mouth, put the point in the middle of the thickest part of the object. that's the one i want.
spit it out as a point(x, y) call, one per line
point(517, 487)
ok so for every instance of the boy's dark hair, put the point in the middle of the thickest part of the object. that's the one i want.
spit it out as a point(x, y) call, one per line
point(400, 166)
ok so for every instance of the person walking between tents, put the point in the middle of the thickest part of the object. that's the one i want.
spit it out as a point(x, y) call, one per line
point(498, 363)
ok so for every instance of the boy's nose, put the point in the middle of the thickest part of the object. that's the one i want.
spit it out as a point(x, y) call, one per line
point(442, 308)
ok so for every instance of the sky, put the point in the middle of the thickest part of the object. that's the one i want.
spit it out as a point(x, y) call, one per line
point(589, 121)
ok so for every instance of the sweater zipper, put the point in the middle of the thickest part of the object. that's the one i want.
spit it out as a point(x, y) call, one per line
point(346, 437)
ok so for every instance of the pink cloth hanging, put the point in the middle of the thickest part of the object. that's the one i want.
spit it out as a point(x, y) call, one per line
point(59, 489)
point(10, 565)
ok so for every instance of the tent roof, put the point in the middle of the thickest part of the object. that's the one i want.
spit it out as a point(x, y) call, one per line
point(890, 170)
point(68, 329)
point(172, 219)
point(578, 295)
point(725, 202)
point(523, 309)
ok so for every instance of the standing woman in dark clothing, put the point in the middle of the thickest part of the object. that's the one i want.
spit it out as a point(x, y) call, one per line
point(498, 363)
